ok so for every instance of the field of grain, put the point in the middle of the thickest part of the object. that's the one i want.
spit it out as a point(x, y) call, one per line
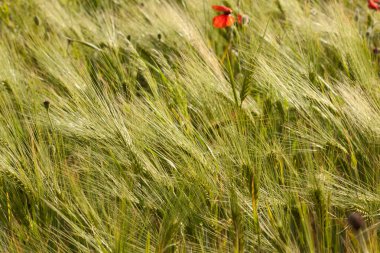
point(138, 126)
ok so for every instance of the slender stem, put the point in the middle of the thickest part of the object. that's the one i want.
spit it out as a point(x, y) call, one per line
point(225, 53)
point(362, 242)
point(232, 80)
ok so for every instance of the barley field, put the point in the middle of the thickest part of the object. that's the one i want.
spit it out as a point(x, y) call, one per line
point(180, 126)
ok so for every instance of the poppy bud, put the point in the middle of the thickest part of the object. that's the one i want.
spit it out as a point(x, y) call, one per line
point(46, 104)
point(159, 36)
point(357, 15)
point(356, 221)
point(69, 42)
point(243, 19)
point(129, 37)
point(103, 45)
point(36, 20)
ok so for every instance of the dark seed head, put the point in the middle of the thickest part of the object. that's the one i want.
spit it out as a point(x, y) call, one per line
point(103, 45)
point(129, 37)
point(159, 36)
point(356, 221)
point(36, 20)
point(46, 104)
point(356, 17)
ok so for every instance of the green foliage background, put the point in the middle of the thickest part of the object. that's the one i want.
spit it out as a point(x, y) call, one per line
point(135, 126)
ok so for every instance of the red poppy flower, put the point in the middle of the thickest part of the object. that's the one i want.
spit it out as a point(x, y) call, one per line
point(240, 18)
point(374, 4)
point(225, 19)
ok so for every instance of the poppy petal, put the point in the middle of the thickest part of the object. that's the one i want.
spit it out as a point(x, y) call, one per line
point(240, 19)
point(230, 20)
point(373, 5)
point(221, 8)
point(219, 21)
point(223, 20)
